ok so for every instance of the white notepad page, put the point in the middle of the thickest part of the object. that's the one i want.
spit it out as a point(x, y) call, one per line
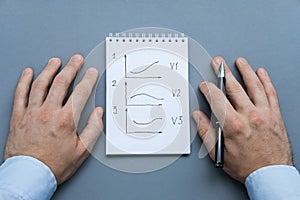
point(147, 95)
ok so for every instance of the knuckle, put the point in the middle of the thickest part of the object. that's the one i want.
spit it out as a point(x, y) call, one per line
point(40, 83)
point(216, 99)
point(258, 86)
point(37, 84)
point(16, 116)
point(69, 71)
point(233, 90)
point(66, 119)
point(277, 128)
point(255, 118)
point(60, 80)
point(45, 116)
point(82, 90)
point(65, 77)
point(202, 131)
point(271, 92)
point(236, 125)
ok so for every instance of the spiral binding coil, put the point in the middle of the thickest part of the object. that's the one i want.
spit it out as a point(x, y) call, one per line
point(146, 37)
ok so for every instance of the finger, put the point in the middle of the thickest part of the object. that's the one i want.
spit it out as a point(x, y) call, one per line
point(218, 102)
point(82, 92)
point(40, 86)
point(63, 80)
point(206, 132)
point(234, 91)
point(92, 131)
point(254, 87)
point(21, 94)
point(269, 89)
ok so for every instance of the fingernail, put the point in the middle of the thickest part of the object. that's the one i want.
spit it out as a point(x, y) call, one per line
point(243, 61)
point(196, 117)
point(263, 72)
point(203, 86)
point(92, 71)
point(76, 58)
point(26, 72)
point(217, 61)
point(99, 112)
point(54, 61)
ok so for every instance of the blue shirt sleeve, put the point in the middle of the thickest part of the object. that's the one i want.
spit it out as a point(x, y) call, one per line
point(26, 178)
point(275, 182)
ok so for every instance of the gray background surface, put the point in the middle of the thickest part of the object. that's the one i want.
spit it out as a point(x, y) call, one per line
point(265, 32)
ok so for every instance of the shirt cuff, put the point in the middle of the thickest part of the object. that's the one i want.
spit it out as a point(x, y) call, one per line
point(274, 182)
point(28, 177)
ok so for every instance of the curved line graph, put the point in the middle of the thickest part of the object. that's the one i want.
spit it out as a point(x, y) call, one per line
point(145, 94)
point(138, 72)
point(147, 123)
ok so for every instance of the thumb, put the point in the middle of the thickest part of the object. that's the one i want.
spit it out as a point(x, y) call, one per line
point(93, 129)
point(206, 132)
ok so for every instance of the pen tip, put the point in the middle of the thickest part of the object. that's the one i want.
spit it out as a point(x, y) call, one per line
point(221, 70)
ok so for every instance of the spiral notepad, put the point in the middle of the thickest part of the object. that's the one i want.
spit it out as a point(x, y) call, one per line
point(147, 99)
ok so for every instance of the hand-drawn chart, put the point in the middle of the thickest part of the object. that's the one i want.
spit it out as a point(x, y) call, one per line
point(147, 96)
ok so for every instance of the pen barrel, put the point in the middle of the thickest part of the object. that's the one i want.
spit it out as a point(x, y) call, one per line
point(222, 84)
point(219, 149)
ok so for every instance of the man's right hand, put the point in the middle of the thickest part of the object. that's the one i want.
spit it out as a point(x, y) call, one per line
point(253, 128)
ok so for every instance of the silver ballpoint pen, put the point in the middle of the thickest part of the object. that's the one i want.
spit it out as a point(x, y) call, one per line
point(219, 148)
